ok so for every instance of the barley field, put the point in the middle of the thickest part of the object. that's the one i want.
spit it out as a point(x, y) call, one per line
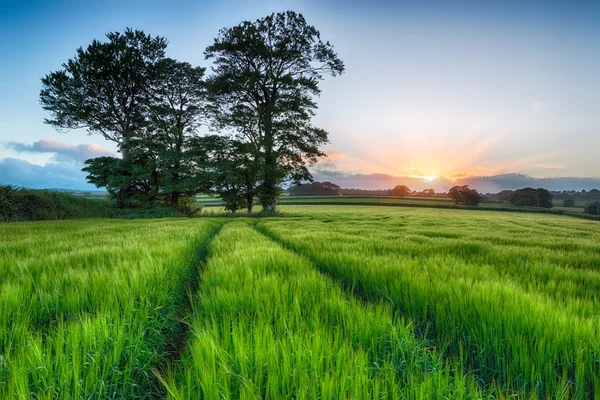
point(320, 302)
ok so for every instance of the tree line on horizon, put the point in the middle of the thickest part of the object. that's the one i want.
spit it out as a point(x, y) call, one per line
point(258, 102)
point(460, 194)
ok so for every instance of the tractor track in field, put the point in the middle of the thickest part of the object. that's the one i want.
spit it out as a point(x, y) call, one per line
point(177, 346)
point(353, 289)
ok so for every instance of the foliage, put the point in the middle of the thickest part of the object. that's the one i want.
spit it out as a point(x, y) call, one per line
point(593, 208)
point(465, 195)
point(568, 203)
point(106, 87)
point(530, 197)
point(231, 170)
point(266, 74)
point(20, 204)
point(176, 111)
point(400, 191)
point(315, 189)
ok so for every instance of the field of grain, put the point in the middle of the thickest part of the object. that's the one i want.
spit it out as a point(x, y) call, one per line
point(329, 302)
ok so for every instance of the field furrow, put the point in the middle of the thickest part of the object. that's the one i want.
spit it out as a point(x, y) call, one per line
point(528, 331)
point(268, 325)
point(88, 312)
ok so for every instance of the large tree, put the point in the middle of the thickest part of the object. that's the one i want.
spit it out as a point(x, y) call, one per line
point(175, 114)
point(106, 87)
point(266, 78)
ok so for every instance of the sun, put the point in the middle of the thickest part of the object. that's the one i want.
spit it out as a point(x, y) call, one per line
point(429, 178)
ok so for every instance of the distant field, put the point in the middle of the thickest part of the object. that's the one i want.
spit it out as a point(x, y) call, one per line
point(328, 301)
point(212, 201)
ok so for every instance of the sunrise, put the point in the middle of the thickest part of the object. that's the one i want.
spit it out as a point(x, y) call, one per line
point(300, 199)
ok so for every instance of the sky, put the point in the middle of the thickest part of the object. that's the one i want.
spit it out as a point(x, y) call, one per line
point(434, 92)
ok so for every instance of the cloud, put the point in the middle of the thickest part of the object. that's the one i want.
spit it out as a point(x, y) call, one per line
point(63, 152)
point(551, 166)
point(485, 184)
point(14, 171)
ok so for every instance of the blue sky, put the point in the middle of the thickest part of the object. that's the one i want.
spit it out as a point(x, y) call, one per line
point(447, 89)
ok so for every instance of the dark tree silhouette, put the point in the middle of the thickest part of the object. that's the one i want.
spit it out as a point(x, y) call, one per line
point(315, 189)
point(465, 195)
point(530, 197)
point(400, 191)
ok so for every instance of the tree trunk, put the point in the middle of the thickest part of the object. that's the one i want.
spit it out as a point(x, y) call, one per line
point(175, 198)
point(125, 146)
point(270, 207)
point(250, 201)
point(268, 195)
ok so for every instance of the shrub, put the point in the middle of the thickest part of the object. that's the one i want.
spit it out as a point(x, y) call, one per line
point(20, 204)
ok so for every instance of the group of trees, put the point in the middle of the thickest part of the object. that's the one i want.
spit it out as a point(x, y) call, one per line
point(465, 195)
point(331, 189)
point(530, 197)
point(315, 189)
point(258, 103)
point(592, 208)
point(592, 194)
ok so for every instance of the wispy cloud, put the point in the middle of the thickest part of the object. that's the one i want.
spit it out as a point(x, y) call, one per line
point(551, 166)
point(63, 152)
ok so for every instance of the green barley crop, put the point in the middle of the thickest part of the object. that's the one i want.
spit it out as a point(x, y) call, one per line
point(87, 308)
point(329, 302)
point(514, 298)
point(268, 325)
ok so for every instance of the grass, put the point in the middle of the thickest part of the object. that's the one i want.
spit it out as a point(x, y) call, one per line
point(514, 298)
point(328, 302)
point(268, 325)
point(87, 308)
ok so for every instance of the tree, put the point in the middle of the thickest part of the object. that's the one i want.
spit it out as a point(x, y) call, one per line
point(400, 191)
point(530, 197)
point(544, 198)
point(592, 208)
point(465, 195)
point(568, 203)
point(266, 75)
point(428, 193)
point(176, 109)
point(132, 181)
point(106, 87)
point(315, 189)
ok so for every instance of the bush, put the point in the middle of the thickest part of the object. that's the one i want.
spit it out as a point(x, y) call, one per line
point(189, 206)
point(20, 204)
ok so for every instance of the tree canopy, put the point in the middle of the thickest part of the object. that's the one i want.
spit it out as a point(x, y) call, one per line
point(315, 189)
point(465, 195)
point(530, 197)
point(266, 75)
point(106, 88)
